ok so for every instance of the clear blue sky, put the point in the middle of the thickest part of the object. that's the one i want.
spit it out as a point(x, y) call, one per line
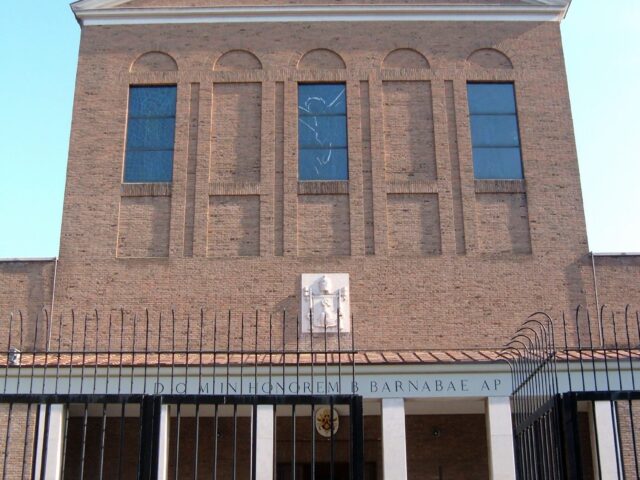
point(38, 51)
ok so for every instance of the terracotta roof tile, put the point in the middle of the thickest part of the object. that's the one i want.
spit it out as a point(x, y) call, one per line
point(392, 357)
point(425, 357)
point(319, 358)
point(457, 356)
point(441, 357)
point(374, 357)
point(409, 357)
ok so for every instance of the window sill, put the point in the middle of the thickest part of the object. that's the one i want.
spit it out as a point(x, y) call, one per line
point(413, 186)
point(329, 187)
point(500, 186)
point(145, 189)
point(240, 188)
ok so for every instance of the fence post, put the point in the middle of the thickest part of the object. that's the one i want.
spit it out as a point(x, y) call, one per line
point(151, 408)
point(263, 443)
point(571, 441)
point(357, 439)
point(50, 438)
point(607, 461)
point(394, 439)
point(500, 438)
point(163, 443)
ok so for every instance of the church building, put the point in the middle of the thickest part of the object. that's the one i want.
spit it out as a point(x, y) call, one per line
point(321, 239)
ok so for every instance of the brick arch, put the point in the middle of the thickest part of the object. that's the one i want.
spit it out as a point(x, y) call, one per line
point(154, 62)
point(237, 59)
point(405, 58)
point(489, 58)
point(319, 58)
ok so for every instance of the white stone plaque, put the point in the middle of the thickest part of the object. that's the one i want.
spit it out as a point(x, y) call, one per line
point(324, 303)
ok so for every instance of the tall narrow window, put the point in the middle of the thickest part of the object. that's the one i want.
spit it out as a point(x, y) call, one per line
point(322, 132)
point(150, 134)
point(494, 131)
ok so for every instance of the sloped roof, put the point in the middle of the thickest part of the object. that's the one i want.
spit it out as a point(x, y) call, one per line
point(291, 359)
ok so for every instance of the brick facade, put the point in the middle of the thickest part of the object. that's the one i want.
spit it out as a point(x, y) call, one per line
point(436, 258)
point(421, 240)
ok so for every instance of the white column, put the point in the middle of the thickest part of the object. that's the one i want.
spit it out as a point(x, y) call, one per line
point(264, 442)
point(502, 465)
point(163, 448)
point(605, 449)
point(54, 442)
point(394, 439)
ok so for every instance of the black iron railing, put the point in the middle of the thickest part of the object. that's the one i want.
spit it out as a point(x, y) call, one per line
point(561, 375)
point(97, 389)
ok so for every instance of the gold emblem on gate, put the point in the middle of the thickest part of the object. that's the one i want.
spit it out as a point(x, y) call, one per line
point(324, 420)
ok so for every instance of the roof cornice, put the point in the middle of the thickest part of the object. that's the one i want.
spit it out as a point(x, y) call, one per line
point(89, 4)
point(106, 12)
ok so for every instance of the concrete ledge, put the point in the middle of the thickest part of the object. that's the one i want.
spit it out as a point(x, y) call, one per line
point(145, 189)
point(323, 188)
point(500, 186)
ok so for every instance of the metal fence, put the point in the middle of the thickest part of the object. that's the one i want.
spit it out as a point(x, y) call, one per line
point(575, 395)
point(150, 396)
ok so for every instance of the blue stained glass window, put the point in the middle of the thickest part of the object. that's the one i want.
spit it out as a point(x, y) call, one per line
point(322, 132)
point(150, 134)
point(491, 98)
point(494, 131)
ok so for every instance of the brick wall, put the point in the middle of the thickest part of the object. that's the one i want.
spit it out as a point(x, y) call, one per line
point(629, 431)
point(18, 426)
point(25, 290)
point(455, 445)
point(618, 281)
point(454, 453)
point(435, 258)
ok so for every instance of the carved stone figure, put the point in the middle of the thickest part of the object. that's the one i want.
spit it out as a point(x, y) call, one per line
point(324, 285)
point(325, 303)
